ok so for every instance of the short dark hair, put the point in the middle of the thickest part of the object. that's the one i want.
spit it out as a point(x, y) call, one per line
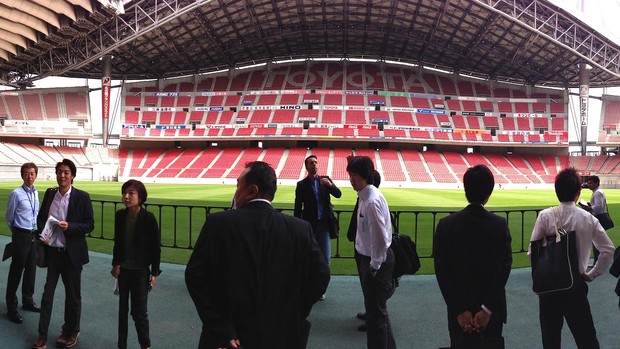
point(69, 164)
point(478, 182)
point(308, 158)
point(363, 167)
point(595, 179)
point(567, 184)
point(27, 166)
point(140, 189)
point(264, 177)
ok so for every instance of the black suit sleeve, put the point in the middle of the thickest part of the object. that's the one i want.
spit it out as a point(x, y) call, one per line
point(80, 215)
point(299, 199)
point(494, 298)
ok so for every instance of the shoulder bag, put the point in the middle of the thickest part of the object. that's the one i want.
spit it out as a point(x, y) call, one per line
point(554, 260)
point(605, 219)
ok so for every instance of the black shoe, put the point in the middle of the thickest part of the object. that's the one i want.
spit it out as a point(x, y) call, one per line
point(33, 307)
point(361, 316)
point(15, 317)
point(362, 328)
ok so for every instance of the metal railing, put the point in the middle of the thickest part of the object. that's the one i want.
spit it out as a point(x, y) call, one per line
point(181, 224)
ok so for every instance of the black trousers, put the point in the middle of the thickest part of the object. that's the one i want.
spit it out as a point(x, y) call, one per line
point(575, 308)
point(133, 284)
point(60, 266)
point(24, 261)
point(377, 290)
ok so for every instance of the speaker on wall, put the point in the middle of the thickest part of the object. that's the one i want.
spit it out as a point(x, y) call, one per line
point(306, 124)
point(380, 125)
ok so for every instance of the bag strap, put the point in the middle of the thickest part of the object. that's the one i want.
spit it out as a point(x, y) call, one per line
point(559, 226)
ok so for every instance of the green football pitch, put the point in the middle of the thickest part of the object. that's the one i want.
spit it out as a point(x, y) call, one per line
point(417, 218)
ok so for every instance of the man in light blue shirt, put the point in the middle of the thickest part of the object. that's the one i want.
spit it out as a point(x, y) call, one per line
point(372, 243)
point(21, 216)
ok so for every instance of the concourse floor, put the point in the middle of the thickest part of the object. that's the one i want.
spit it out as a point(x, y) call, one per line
point(417, 311)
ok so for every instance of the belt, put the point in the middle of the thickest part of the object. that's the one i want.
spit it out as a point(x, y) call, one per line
point(22, 230)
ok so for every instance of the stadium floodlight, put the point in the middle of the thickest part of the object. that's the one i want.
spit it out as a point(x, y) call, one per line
point(117, 5)
point(363, 60)
point(290, 61)
point(402, 63)
point(252, 66)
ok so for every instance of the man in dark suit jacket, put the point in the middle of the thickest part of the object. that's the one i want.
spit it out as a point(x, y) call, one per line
point(473, 258)
point(313, 204)
point(255, 273)
point(65, 252)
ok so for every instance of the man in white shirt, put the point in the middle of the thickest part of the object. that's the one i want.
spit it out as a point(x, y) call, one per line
point(597, 204)
point(572, 305)
point(372, 243)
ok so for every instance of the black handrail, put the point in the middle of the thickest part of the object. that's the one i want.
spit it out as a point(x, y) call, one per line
point(181, 224)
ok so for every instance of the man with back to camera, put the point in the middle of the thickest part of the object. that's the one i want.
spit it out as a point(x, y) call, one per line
point(313, 203)
point(473, 258)
point(21, 217)
point(376, 259)
point(66, 252)
point(573, 304)
point(255, 273)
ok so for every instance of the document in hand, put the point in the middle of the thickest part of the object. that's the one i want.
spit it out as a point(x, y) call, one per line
point(47, 234)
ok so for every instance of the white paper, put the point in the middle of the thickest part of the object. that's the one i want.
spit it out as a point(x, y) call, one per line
point(47, 234)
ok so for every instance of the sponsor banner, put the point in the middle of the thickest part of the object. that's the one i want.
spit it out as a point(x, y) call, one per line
point(439, 106)
point(212, 93)
point(246, 102)
point(209, 109)
point(528, 115)
point(377, 120)
point(430, 111)
point(424, 95)
point(524, 133)
point(413, 110)
point(169, 127)
point(9, 122)
point(240, 119)
point(279, 92)
point(556, 133)
point(306, 118)
point(522, 100)
point(468, 98)
point(287, 125)
point(400, 94)
point(8, 93)
point(605, 127)
point(329, 107)
point(134, 126)
point(161, 109)
point(106, 86)
point(376, 102)
point(358, 107)
point(471, 131)
point(358, 92)
point(329, 92)
point(445, 124)
point(310, 101)
point(166, 94)
point(273, 107)
point(473, 113)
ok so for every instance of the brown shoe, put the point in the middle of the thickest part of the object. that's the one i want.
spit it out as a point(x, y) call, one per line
point(39, 343)
point(71, 340)
point(61, 342)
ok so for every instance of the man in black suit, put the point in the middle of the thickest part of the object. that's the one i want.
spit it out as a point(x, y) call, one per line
point(255, 273)
point(313, 204)
point(473, 258)
point(66, 251)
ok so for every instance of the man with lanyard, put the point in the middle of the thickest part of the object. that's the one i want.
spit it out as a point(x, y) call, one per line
point(21, 216)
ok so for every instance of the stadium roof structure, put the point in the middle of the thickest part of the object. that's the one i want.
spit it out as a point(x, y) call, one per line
point(526, 42)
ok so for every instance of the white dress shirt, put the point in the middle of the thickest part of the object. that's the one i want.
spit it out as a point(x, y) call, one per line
point(58, 210)
point(598, 202)
point(588, 231)
point(374, 226)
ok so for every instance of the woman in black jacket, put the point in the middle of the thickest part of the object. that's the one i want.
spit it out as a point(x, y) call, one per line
point(135, 263)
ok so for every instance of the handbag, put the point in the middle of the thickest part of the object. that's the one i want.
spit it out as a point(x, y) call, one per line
point(406, 259)
point(41, 260)
point(554, 260)
point(605, 220)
